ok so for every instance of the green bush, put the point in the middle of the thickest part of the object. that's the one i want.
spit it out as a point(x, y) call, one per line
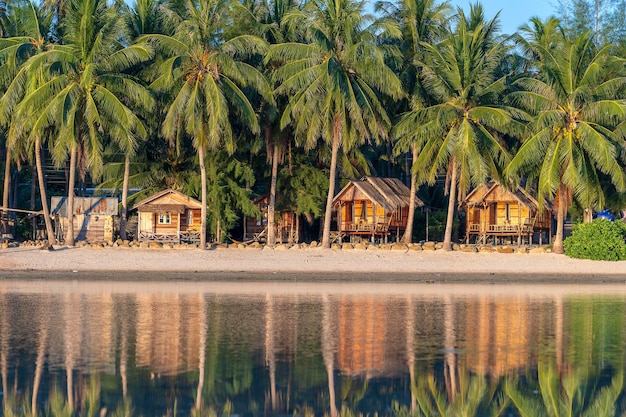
point(600, 240)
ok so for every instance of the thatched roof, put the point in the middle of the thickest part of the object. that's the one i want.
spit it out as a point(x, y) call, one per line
point(167, 200)
point(518, 194)
point(389, 193)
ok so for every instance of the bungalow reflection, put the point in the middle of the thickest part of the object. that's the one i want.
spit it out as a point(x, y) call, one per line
point(160, 353)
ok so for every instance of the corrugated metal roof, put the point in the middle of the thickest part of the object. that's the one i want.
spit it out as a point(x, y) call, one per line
point(85, 205)
point(389, 193)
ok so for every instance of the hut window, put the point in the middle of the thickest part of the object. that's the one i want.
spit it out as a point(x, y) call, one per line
point(189, 217)
point(165, 218)
point(507, 212)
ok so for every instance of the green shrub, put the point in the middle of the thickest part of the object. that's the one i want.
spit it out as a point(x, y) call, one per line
point(600, 240)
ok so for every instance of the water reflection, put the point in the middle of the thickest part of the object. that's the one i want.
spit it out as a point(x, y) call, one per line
point(263, 349)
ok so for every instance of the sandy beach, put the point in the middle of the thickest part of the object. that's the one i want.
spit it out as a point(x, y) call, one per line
point(303, 264)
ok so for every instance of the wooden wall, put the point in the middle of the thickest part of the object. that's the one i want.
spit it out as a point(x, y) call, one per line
point(92, 228)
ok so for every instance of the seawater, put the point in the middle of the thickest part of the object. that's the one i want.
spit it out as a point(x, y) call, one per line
point(224, 349)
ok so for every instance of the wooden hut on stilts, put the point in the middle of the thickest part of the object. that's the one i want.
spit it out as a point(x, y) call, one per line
point(372, 208)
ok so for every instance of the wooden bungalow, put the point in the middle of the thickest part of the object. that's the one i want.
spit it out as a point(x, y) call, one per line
point(373, 207)
point(93, 217)
point(285, 223)
point(495, 213)
point(168, 216)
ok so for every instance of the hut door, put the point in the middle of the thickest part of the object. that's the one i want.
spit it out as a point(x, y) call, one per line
point(147, 223)
point(475, 221)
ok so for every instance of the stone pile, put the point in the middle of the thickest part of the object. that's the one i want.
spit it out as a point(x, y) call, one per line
point(422, 246)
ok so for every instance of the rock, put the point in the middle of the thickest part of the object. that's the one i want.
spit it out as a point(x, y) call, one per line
point(428, 244)
point(281, 247)
point(336, 246)
point(439, 245)
point(5, 245)
point(539, 249)
point(297, 246)
point(347, 246)
point(521, 250)
point(486, 249)
point(504, 249)
point(361, 246)
point(155, 245)
point(399, 246)
point(468, 248)
point(144, 245)
point(373, 246)
point(415, 247)
point(456, 247)
point(313, 244)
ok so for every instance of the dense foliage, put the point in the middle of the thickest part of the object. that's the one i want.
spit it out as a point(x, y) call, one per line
point(600, 240)
point(231, 99)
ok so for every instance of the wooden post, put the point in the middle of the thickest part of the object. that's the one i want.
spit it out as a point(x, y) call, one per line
point(519, 224)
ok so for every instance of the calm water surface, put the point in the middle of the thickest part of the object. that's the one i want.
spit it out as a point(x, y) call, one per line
point(278, 349)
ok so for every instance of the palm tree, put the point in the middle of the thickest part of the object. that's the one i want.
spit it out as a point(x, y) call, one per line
point(144, 17)
point(266, 19)
point(575, 98)
point(335, 83)
point(461, 134)
point(88, 91)
point(421, 21)
point(207, 77)
point(28, 42)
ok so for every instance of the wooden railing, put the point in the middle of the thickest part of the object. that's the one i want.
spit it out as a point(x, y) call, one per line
point(186, 236)
point(501, 228)
point(364, 227)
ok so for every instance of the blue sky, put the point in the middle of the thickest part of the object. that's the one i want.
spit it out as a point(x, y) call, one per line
point(513, 13)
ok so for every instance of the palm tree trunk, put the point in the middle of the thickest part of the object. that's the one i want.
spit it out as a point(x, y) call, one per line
point(204, 198)
point(331, 183)
point(125, 198)
point(271, 206)
point(42, 193)
point(5, 191)
point(447, 239)
point(69, 237)
point(557, 246)
point(33, 195)
point(408, 232)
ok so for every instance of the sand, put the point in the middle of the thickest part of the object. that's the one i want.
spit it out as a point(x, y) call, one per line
point(310, 264)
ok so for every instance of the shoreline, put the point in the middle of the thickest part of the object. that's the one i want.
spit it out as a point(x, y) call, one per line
point(303, 265)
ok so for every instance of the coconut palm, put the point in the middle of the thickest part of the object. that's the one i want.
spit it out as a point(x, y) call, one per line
point(207, 76)
point(144, 17)
point(335, 83)
point(28, 42)
point(266, 19)
point(421, 21)
point(87, 93)
point(575, 98)
point(461, 134)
